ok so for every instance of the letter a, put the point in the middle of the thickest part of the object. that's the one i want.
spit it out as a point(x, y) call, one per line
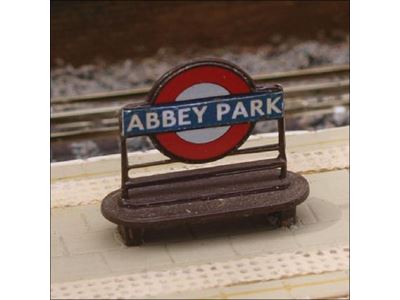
point(239, 110)
point(135, 123)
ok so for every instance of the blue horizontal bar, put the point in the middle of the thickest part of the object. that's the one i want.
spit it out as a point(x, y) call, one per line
point(202, 113)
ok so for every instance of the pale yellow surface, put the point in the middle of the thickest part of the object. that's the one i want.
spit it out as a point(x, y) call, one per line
point(86, 247)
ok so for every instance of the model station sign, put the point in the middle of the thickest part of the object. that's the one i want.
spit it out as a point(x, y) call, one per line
point(202, 111)
point(196, 113)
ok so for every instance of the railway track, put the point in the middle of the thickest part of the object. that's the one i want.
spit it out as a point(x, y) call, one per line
point(316, 90)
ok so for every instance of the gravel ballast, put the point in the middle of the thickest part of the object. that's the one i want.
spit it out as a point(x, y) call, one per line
point(67, 80)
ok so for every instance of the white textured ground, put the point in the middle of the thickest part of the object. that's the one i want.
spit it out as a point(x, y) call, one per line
point(308, 260)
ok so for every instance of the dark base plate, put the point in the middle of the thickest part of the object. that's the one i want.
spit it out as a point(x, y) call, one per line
point(245, 195)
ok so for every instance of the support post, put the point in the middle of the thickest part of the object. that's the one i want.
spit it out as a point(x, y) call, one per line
point(288, 217)
point(124, 166)
point(131, 236)
point(282, 146)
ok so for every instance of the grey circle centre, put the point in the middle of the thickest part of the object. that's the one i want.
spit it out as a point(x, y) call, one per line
point(206, 135)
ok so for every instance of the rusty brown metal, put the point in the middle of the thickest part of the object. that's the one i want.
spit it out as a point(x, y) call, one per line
point(255, 195)
point(262, 187)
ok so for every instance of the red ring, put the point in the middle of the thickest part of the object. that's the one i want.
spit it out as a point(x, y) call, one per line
point(178, 147)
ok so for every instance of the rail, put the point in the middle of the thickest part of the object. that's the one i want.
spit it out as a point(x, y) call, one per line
point(329, 88)
point(262, 78)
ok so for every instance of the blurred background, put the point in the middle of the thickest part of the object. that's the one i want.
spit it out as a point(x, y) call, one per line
point(105, 54)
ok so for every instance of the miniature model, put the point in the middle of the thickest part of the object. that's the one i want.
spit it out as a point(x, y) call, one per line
point(196, 113)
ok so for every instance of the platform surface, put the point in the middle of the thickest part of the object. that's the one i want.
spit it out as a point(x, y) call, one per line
point(308, 260)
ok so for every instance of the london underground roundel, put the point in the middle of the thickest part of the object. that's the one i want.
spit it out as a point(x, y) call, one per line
point(201, 79)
